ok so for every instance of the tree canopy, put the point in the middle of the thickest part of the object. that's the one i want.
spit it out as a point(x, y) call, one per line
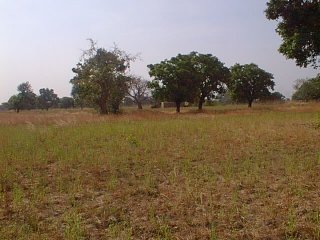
point(15, 103)
point(66, 102)
point(307, 89)
point(274, 97)
point(211, 76)
point(47, 98)
point(25, 99)
point(299, 28)
point(188, 77)
point(173, 80)
point(249, 82)
point(101, 78)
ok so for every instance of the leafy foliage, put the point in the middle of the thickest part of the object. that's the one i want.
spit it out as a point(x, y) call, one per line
point(47, 98)
point(188, 77)
point(277, 96)
point(101, 78)
point(15, 103)
point(174, 80)
point(308, 89)
point(299, 27)
point(66, 102)
point(25, 99)
point(118, 92)
point(4, 106)
point(211, 76)
point(274, 97)
point(249, 82)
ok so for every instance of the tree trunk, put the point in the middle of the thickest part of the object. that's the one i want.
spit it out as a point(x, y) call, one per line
point(115, 108)
point(139, 105)
point(201, 101)
point(103, 103)
point(178, 104)
point(103, 107)
point(250, 103)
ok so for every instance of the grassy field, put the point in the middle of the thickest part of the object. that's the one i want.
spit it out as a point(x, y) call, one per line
point(226, 173)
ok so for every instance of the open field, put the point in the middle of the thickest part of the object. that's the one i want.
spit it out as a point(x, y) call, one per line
point(226, 173)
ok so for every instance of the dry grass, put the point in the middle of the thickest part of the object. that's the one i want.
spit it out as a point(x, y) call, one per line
point(75, 116)
point(227, 173)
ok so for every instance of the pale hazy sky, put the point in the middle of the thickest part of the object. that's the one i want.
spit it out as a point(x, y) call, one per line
point(41, 40)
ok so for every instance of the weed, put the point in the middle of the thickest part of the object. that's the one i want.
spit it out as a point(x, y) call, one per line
point(112, 183)
point(74, 229)
point(120, 230)
point(213, 232)
point(133, 140)
point(164, 232)
point(291, 225)
point(318, 121)
point(316, 220)
point(17, 197)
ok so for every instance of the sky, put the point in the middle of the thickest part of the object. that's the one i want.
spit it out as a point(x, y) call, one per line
point(42, 40)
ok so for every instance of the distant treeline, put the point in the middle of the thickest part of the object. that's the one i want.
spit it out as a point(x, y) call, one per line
point(47, 99)
point(26, 99)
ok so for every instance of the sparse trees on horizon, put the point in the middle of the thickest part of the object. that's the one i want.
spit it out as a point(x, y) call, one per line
point(102, 78)
point(249, 83)
point(191, 77)
point(26, 99)
point(199, 77)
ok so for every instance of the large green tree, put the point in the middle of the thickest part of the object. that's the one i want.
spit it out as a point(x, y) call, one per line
point(211, 76)
point(25, 99)
point(100, 78)
point(28, 97)
point(299, 27)
point(189, 77)
point(47, 98)
point(173, 80)
point(15, 103)
point(249, 82)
